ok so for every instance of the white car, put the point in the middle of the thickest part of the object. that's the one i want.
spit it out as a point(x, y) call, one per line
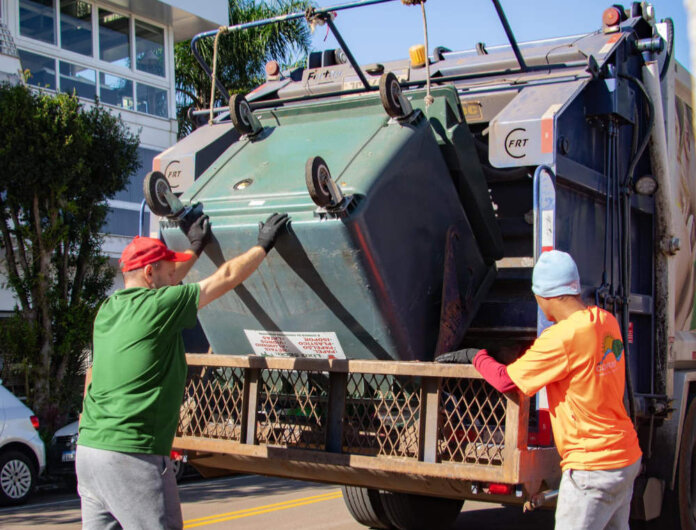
point(22, 453)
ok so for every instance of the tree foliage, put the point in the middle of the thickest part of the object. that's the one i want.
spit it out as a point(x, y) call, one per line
point(242, 55)
point(60, 163)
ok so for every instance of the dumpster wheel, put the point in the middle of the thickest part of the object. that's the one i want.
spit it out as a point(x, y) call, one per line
point(317, 177)
point(389, 94)
point(155, 188)
point(240, 114)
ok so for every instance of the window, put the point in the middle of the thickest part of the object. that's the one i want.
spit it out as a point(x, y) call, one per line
point(149, 48)
point(81, 80)
point(116, 51)
point(124, 222)
point(42, 70)
point(116, 91)
point(76, 26)
point(36, 20)
point(151, 100)
point(133, 191)
point(114, 38)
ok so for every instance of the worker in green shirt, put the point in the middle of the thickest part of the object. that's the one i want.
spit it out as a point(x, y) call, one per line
point(131, 407)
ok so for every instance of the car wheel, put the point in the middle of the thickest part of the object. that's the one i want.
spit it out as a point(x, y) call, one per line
point(178, 468)
point(17, 478)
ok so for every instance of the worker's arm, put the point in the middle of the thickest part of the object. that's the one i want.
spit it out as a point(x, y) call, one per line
point(182, 268)
point(230, 275)
point(493, 372)
point(235, 271)
point(198, 233)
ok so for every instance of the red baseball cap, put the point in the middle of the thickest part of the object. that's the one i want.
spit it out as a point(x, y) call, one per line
point(146, 250)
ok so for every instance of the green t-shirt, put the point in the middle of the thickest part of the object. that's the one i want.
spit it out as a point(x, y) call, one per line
point(139, 369)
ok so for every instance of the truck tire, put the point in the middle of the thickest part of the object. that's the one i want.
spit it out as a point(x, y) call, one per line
point(419, 512)
point(686, 484)
point(17, 478)
point(365, 507)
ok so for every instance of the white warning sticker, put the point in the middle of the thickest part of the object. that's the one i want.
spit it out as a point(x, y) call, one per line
point(547, 239)
point(315, 345)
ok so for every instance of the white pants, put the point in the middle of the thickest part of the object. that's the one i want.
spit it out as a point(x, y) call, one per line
point(125, 490)
point(596, 500)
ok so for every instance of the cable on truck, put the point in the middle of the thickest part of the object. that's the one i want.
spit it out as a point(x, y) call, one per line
point(670, 47)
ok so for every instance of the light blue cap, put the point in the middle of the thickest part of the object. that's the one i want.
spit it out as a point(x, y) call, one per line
point(555, 274)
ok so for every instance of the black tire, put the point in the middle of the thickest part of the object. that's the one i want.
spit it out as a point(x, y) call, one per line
point(240, 111)
point(686, 472)
point(316, 173)
point(17, 478)
point(365, 507)
point(389, 91)
point(419, 512)
point(196, 121)
point(178, 468)
point(154, 186)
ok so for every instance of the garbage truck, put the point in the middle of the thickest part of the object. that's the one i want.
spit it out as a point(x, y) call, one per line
point(421, 192)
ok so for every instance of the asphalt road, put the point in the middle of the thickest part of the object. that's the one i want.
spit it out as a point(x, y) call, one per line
point(255, 502)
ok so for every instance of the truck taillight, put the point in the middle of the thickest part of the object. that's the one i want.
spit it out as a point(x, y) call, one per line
point(35, 422)
point(176, 455)
point(500, 489)
point(611, 16)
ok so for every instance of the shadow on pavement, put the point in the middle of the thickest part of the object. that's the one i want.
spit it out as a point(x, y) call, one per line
point(243, 486)
point(505, 517)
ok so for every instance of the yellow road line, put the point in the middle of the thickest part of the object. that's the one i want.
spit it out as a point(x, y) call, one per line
point(248, 512)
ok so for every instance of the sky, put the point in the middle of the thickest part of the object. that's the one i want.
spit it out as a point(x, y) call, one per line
point(385, 31)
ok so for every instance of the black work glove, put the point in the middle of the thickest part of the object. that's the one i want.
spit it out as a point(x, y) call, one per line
point(465, 356)
point(198, 233)
point(269, 230)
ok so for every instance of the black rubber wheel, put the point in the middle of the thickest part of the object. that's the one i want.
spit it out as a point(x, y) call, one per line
point(155, 186)
point(365, 507)
point(240, 113)
point(419, 512)
point(178, 468)
point(316, 175)
point(686, 472)
point(389, 91)
point(17, 478)
point(196, 121)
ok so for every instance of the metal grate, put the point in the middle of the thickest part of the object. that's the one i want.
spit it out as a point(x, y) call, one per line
point(382, 415)
point(472, 422)
point(212, 406)
point(369, 414)
point(292, 408)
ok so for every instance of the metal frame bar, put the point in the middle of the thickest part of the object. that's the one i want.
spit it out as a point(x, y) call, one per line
point(281, 18)
point(258, 105)
point(325, 14)
point(510, 35)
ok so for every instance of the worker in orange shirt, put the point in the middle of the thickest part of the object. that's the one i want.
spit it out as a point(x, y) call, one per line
point(581, 362)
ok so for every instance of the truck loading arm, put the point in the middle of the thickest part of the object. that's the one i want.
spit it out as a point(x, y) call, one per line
point(325, 15)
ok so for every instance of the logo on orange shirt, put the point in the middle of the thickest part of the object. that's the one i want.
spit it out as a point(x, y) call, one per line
point(613, 346)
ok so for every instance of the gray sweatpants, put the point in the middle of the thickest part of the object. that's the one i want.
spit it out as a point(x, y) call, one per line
point(125, 490)
point(596, 500)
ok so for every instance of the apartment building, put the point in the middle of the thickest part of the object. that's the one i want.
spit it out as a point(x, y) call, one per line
point(121, 52)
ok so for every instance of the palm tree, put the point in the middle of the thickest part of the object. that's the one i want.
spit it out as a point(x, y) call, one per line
point(241, 55)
